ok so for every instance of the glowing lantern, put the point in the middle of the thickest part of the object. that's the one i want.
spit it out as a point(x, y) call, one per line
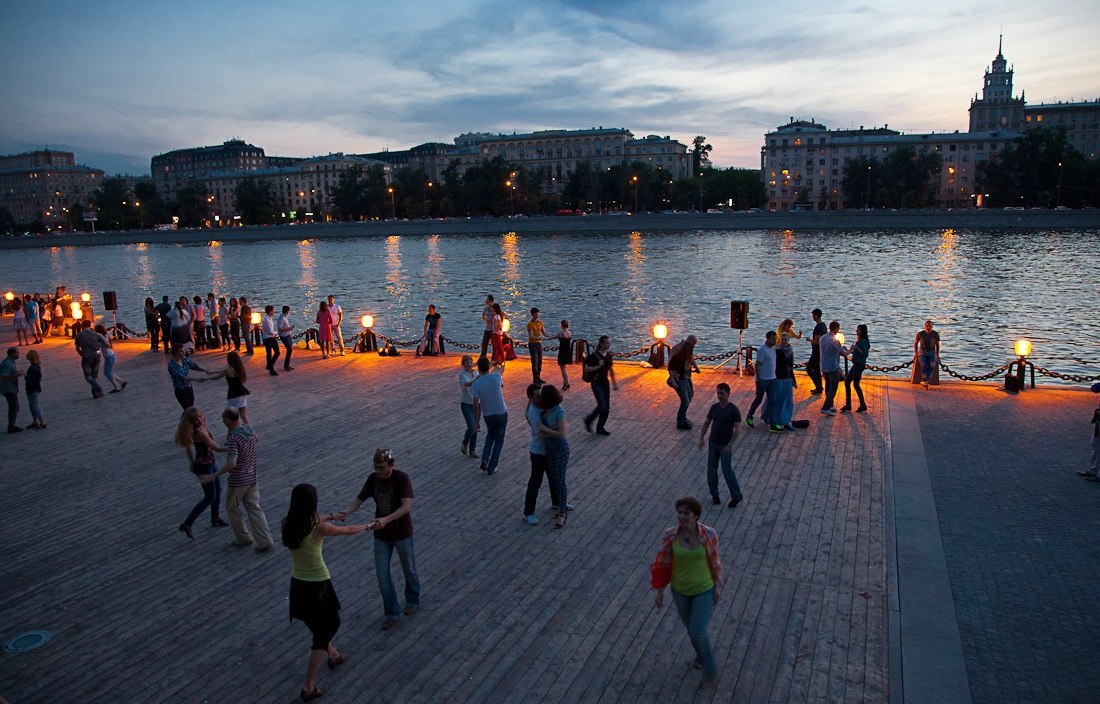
point(77, 313)
point(255, 318)
point(86, 297)
point(660, 331)
point(840, 338)
point(9, 296)
point(368, 321)
point(1023, 347)
point(506, 325)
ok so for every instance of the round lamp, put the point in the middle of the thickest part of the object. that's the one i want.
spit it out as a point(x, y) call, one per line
point(368, 321)
point(660, 331)
point(840, 337)
point(86, 297)
point(255, 318)
point(1023, 347)
point(9, 296)
point(506, 325)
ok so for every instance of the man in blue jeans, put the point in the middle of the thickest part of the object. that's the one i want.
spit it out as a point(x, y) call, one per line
point(727, 423)
point(488, 394)
point(392, 492)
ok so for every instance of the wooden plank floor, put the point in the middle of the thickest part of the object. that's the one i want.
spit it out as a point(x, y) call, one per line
point(511, 613)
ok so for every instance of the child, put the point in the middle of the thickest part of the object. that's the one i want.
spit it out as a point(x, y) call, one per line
point(34, 387)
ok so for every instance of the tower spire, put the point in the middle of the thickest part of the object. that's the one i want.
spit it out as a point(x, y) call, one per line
point(1000, 43)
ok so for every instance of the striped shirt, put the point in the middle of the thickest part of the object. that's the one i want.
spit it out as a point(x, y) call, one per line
point(241, 445)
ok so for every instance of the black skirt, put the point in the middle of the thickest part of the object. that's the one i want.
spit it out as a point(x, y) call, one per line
point(310, 601)
point(565, 351)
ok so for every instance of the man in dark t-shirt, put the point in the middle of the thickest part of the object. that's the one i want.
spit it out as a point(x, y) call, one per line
point(813, 364)
point(726, 420)
point(598, 365)
point(393, 529)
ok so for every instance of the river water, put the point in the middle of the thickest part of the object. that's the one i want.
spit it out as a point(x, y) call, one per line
point(983, 289)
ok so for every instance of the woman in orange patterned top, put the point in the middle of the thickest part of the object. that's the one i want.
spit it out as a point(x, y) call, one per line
point(688, 560)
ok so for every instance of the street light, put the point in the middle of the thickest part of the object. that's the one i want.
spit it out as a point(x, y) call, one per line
point(1058, 204)
point(634, 182)
point(867, 202)
point(511, 196)
point(657, 349)
point(393, 207)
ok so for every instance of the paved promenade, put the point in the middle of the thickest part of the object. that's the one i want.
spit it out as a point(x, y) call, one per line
point(828, 596)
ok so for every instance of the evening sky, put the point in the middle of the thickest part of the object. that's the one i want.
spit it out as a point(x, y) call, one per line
point(121, 81)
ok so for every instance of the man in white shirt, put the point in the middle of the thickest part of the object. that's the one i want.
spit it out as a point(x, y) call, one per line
point(286, 329)
point(765, 377)
point(337, 314)
point(270, 335)
point(211, 304)
point(488, 394)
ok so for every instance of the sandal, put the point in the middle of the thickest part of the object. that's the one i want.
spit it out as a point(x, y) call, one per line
point(337, 661)
point(307, 696)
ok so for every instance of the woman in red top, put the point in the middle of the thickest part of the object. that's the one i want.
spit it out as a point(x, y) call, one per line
point(324, 330)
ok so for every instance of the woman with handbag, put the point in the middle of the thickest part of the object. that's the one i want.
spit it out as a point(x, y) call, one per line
point(313, 599)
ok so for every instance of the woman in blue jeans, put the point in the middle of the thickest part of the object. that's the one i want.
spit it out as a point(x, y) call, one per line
point(199, 445)
point(688, 561)
point(466, 377)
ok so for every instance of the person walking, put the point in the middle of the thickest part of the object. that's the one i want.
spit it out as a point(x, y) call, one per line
point(286, 329)
point(270, 335)
point(245, 317)
point(859, 351)
point(688, 560)
point(392, 492)
point(236, 374)
point(199, 446)
point(565, 352)
point(831, 350)
point(324, 329)
point(313, 599)
point(488, 396)
point(33, 387)
point(88, 346)
point(243, 494)
point(598, 367)
point(487, 321)
point(783, 386)
point(9, 387)
point(726, 420)
point(163, 309)
point(681, 362)
point(554, 434)
point(33, 312)
point(535, 333)
point(539, 463)
point(152, 324)
point(466, 378)
point(108, 348)
point(179, 367)
point(813, 364)
point(765, 378)
point(337, 314)
point(926, 350)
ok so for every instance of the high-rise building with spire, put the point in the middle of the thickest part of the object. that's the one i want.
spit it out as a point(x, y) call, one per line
point(997, 109)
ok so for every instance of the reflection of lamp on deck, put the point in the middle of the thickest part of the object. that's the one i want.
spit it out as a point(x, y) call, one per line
point(1015, 379)
point(657, 349)
point(368, 342)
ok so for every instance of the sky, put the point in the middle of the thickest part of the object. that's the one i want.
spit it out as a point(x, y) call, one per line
point(118, 82)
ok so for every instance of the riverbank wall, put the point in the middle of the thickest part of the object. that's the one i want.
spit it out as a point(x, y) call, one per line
point(650, 222)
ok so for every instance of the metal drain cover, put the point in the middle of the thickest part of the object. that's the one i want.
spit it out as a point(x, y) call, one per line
point(26, 642)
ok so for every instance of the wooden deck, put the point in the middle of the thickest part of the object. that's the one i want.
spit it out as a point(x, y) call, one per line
point(511, 613)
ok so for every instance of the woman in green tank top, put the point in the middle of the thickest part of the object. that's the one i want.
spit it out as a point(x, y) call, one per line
point(688, 560)
point(312, 597)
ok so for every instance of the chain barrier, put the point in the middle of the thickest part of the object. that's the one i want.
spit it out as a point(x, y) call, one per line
point(981, 377)
point(1066, 377)
point(887, 370)
point(714, 357)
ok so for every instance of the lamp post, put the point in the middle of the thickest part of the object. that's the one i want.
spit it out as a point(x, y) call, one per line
point(368, 342)
point(634, 182)
point(1058, 202)
point(1015, 380)
point(393, 207)
point(867, 200)
point(657, 349)
point(511, 196)
point(254, 330)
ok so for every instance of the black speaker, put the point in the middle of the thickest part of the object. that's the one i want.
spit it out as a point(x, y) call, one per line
point(110, 302)
point(739, 315)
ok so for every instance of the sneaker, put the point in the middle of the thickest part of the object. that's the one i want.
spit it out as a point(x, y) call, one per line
point(601, 431)
point(568, 507)
point(789, 427)
point(15, 429)
point(531, 520)
point(845, 409)
point(683, 426)
point(748, 421)
point(113, 391)
point(777, 428)
point(862, 408)
point(462, 449)
point(828, 411)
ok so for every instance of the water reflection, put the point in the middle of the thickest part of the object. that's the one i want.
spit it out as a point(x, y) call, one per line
point(217, 274)
point(433, 268)
point(307, 281)
point(509, 278)
point(396, 285)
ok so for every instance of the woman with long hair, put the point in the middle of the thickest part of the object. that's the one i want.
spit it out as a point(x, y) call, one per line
point(236, 375)
point(466, 378)
point(199, 446)
point(553, 433)
point(498, 334)
point(565, 353)
point(324, 329)
point(152, 324)
point(688, 560)
point(787, 328)
point(859, 351)
point(19, 321)
point(312, 597)
point(783, 386)
point(117, 383)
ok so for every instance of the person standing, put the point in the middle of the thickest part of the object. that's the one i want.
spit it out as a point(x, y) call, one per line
point(163, 309)
point(926, 348)
point(726, 420)
point(270, 335)
point(783, 386)
point(286, 330)
point(1091, 474)
point(152, 324)
point(200, 446)
point(9, 387)
point(213, 335)
point(554, 436)
point(88, 347)
point(337, 314)
point(223, 323)
point(488, 395)
point(487, 320)
point(32, 311)
point(539, 464)
point(598, 366)
point(565, 353)
point(179, 366)
point(244, 490)
point(312, 598)
point(466, 378)
point(765, 379)
point(688, 561)
point(198, 320)
point(831, 349)
point(108, 349)
point(324, 329)
point(246, 325)
point(33, 387)
point(498, 334)
point(681, 362)
point(180, 323)
point(235, 323)
point(535, 333)
point(859, 350)
point(813, 365)
point(392, 492)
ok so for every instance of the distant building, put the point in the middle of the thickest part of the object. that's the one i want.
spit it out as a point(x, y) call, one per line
point(173, 170)
point(304, 188)
point(997, 109)
point(43, 185)
point(1081, 122)
point(661, 153)
point(431, 157)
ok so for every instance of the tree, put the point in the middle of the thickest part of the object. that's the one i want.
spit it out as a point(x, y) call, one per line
point(113, 204)
point(255, 201)
point(700, 153)
point(151, 207)
point(1040, 168)
point(192, 205)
